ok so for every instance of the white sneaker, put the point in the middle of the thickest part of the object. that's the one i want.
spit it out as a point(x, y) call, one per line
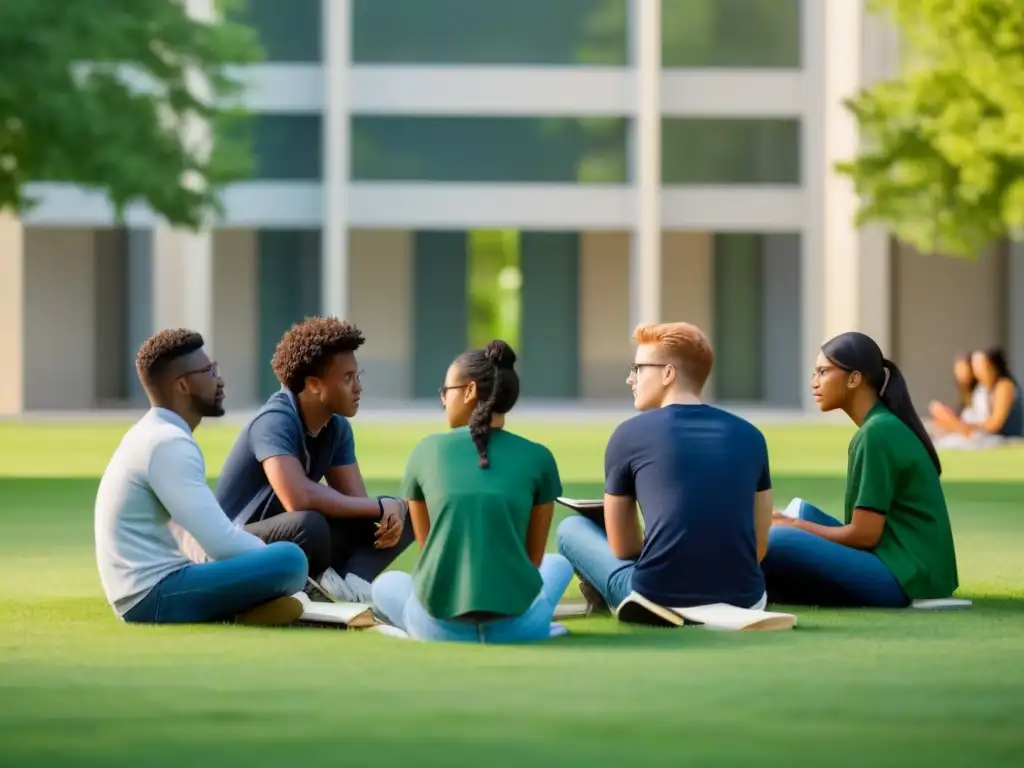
point(360, 589)
point(347, 589)
point(335, 585)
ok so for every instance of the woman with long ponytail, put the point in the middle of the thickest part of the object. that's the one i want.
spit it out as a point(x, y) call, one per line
point(481, 499)
point(895, 543)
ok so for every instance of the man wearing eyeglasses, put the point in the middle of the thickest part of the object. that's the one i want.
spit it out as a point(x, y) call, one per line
point(701, 478)
point(271, 480)
point(154, 499)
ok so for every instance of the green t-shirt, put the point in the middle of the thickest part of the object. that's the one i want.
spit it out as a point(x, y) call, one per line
point(890, 472)
point(474, 558)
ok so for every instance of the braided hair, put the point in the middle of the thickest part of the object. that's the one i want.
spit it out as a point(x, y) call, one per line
point(497, 389)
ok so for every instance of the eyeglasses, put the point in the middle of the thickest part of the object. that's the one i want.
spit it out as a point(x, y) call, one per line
point(634, 369)
point(821, 370)
point(213, 370)
point(442, 391)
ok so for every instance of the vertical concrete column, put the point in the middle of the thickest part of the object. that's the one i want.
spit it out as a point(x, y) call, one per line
point(12, 315)
point(645, 243)
point(334, 262)
point(182, 259)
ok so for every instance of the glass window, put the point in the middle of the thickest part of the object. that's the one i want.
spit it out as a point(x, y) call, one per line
point(730, 151)
point(288, 31)
point(489, 31)
point(731, 33)
point(489, 149)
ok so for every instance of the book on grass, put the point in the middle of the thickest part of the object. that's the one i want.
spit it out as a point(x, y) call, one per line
point(354, 615)
point(572, 609)
point(638, 609)
point(941, 604)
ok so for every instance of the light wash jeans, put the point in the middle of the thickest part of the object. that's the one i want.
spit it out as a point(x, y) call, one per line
point(585, 545)
point(395, 601)
point(803, 569)
point(219, 590)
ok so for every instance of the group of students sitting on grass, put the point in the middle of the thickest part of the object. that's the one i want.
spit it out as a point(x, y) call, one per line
point(688, 516)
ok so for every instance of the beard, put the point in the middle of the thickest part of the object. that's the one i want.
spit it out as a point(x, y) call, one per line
point(208, 408)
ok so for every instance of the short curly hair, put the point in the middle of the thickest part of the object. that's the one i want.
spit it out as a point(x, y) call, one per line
point(160, 350)
point(308, 346)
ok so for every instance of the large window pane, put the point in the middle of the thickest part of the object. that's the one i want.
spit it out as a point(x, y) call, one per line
point(730, 151)
point(489, 31)
point(738, 311)
point(489, 149)
point(288, 30)
point(731, 33)
point(287, 147)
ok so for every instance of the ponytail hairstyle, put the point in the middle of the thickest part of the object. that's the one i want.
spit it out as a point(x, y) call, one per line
point(855, 351)
point(497, 389)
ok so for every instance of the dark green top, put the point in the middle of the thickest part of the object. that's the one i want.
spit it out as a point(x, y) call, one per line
point(475, 559)
point(890, 472)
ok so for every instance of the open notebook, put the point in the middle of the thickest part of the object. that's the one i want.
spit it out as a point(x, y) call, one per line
point(638, 609)
point(334, 613)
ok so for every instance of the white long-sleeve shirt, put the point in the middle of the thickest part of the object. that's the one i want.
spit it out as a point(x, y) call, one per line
point(153, 498)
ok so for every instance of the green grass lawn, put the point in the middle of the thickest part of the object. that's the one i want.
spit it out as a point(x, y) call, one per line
point(846, 688)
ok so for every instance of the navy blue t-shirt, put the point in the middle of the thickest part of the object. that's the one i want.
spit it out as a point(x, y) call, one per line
point(243, 490)
point(694, 470)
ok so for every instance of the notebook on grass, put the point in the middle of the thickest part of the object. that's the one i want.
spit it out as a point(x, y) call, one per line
point(637, 609)
point(334, 613)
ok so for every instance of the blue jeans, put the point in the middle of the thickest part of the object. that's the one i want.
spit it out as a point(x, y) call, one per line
point(585, 546)
point(220, 590)
point(395, 602)
point(803, 569)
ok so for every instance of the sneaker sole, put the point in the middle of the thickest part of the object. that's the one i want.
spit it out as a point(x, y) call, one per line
point(277, 613)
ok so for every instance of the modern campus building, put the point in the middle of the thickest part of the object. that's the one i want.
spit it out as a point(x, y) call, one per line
point(660, 159)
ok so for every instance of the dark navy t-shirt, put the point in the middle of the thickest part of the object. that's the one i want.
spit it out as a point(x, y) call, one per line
point(694, 470)
point(243, 490)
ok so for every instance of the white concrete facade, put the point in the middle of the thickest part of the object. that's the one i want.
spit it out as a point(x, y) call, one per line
point(848, 279)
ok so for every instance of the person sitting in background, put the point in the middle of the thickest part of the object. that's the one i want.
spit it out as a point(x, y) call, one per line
point(998, 415)
point(481, 499)
point(270, 482)
point(973, 404)
point(895, 543)
point(154, 492)
point(701, 477)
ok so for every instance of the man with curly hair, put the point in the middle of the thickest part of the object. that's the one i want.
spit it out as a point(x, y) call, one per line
point(271, 480)
point(153, 502)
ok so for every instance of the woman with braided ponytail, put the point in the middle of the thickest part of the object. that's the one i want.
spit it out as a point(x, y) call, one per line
point(481, 500)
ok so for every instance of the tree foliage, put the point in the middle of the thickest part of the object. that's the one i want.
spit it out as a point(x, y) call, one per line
point(96, 94)
point(942, 157)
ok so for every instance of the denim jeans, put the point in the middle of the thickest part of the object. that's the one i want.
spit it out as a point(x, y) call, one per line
point(395, 601)
point(585, 545)
point(219, 590)
point(803, 569)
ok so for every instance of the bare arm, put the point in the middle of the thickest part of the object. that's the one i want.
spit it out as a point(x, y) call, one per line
point(298, 492)
point(538, 530)
point(622, 522)
point(347, 480)
point(420, 521)
point(764, 507)
point(863, 532)
point(1002, 402)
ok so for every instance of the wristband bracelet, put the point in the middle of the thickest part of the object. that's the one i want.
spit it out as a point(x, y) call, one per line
point(380, 504)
